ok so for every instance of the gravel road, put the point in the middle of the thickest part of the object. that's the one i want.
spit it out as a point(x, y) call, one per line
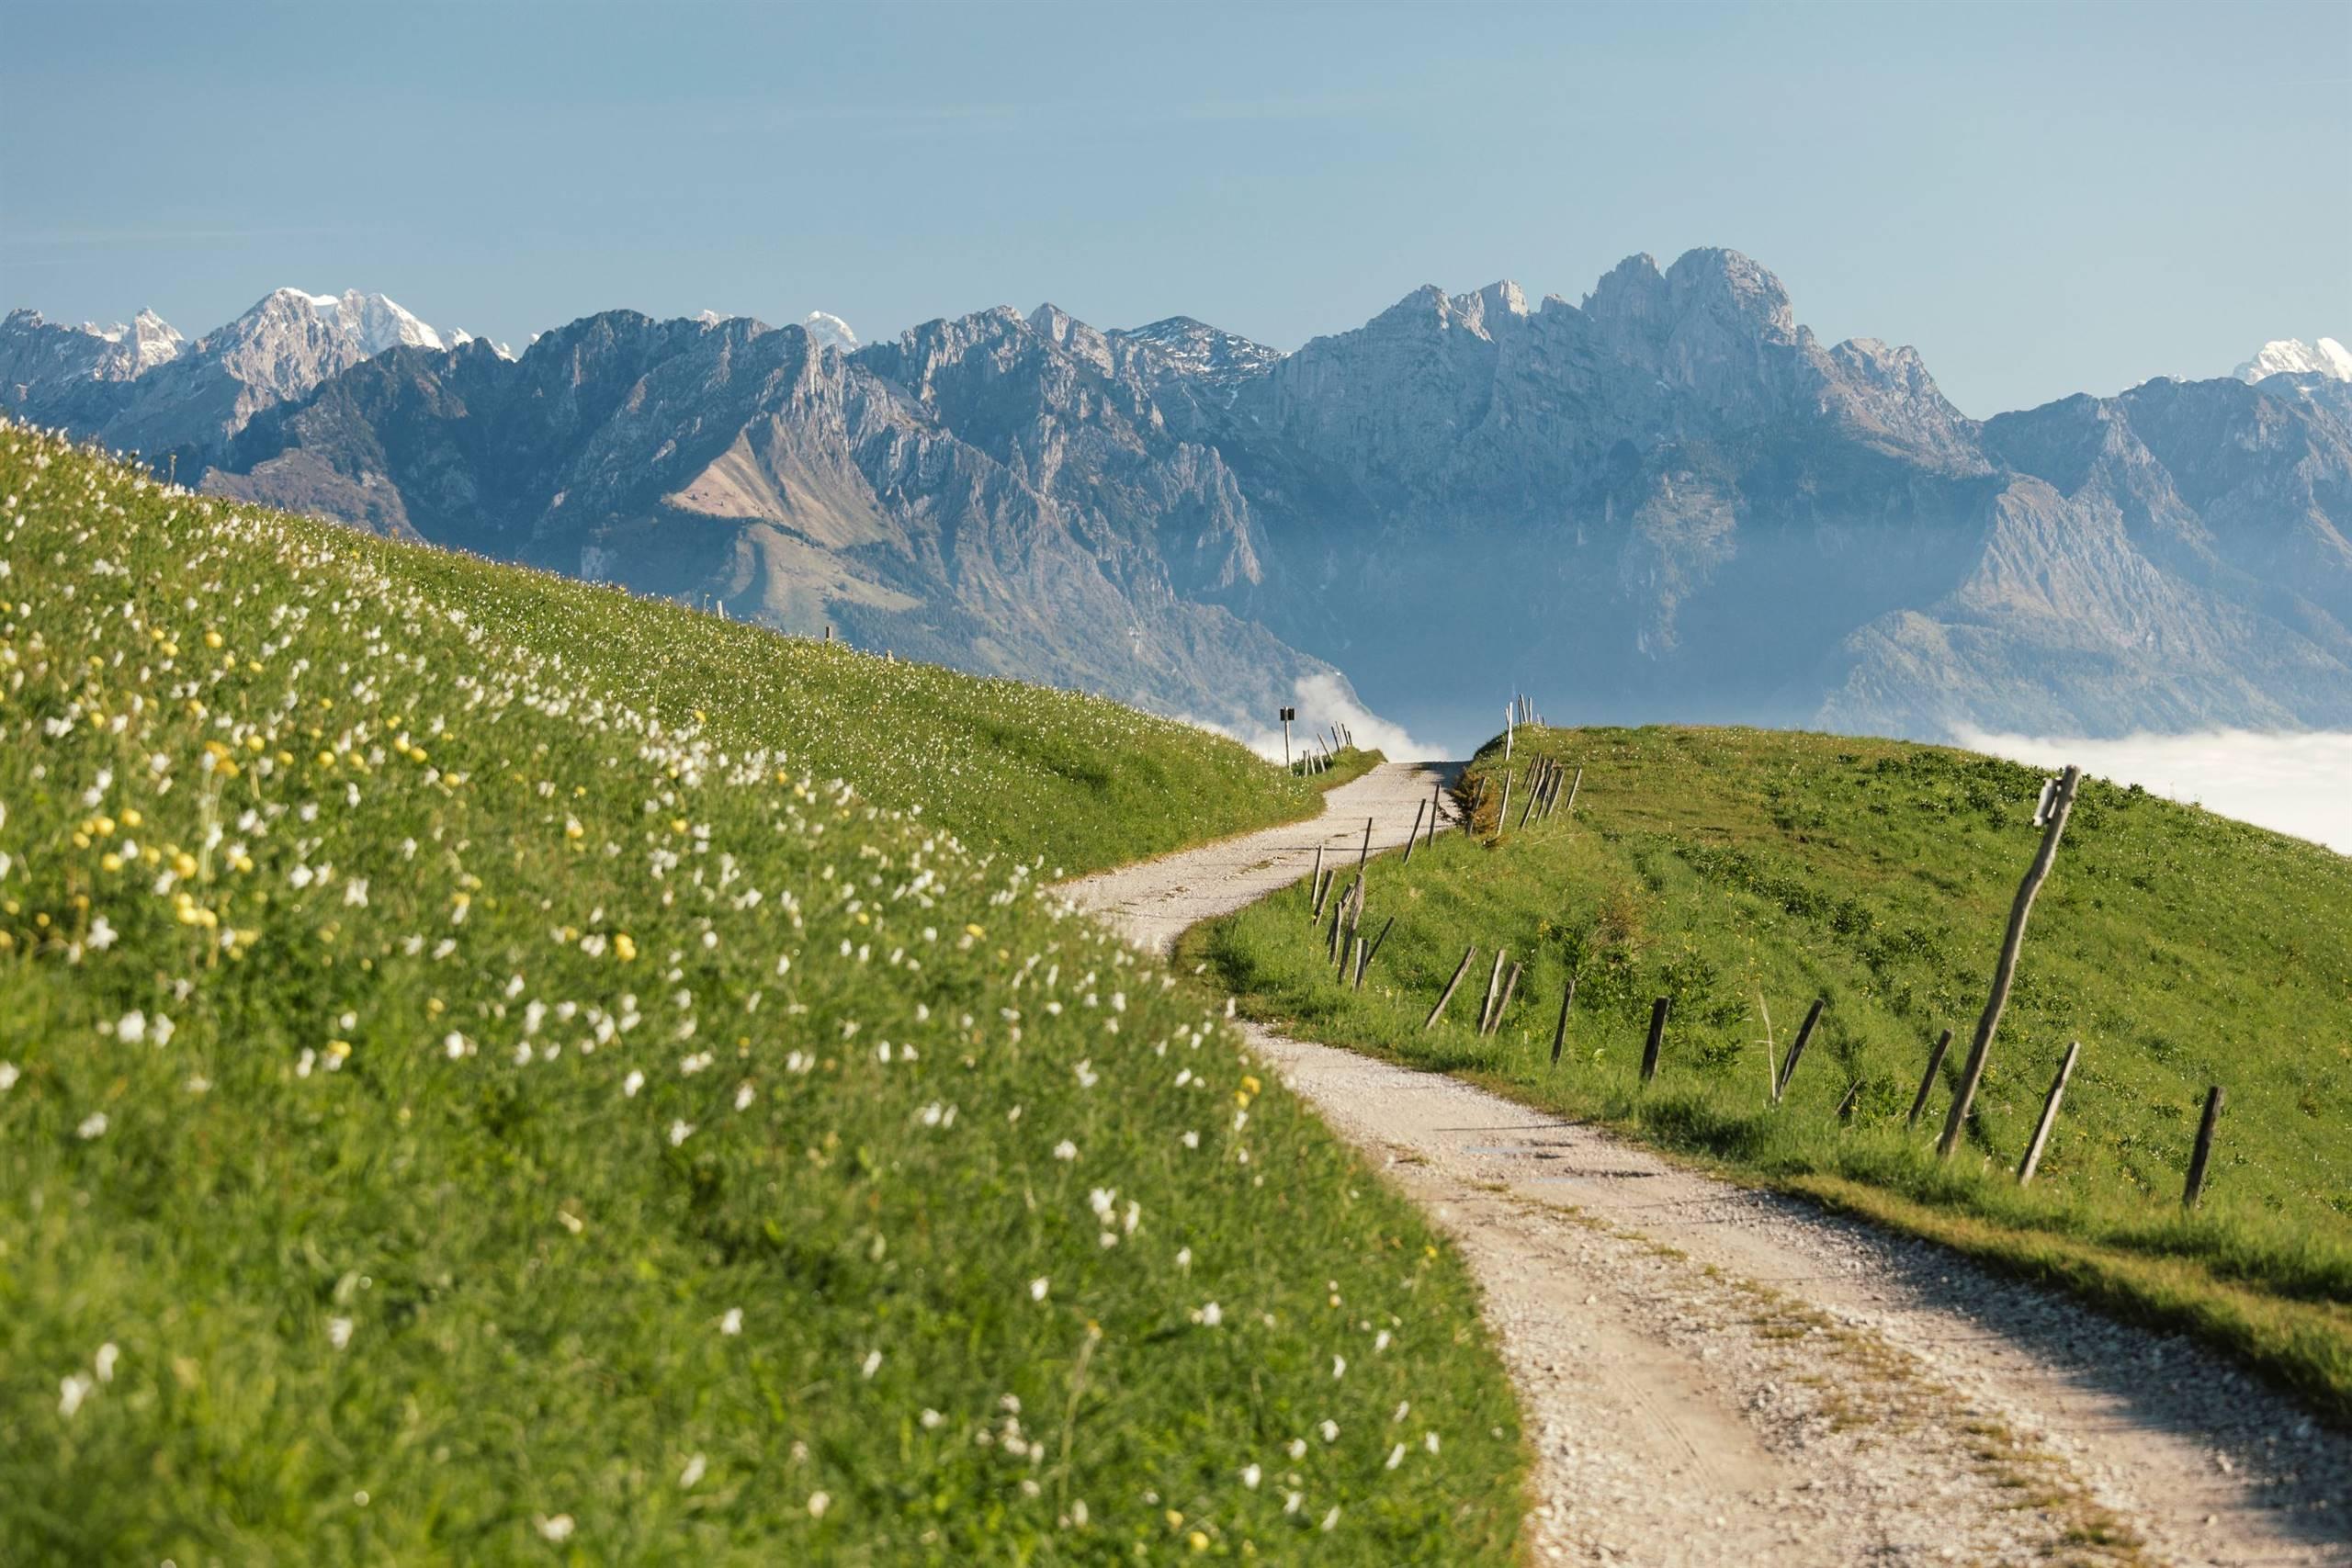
point(1712, 1375)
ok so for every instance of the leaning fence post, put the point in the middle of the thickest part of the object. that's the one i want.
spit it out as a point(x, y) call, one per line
point(1494, 979)
point(1560, 1030)
point(1575, 786)
point(2004, 973)
point(1354, 964)
point(1437, 794)
point(1796, 1048)
point(1658, 1037)
point(1510, 984)
point(1364, 854)
point(2032, 1160)
point(1373, 951)
point(2204, 1150)
point(1447, 994)
point(1927, 1079)
point(1415, 832)
point(1502, 814)
point(1315, 880)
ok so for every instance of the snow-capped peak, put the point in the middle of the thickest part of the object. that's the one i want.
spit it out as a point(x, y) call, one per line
point(829, 330)
point(374, 321)
point(2293, 357)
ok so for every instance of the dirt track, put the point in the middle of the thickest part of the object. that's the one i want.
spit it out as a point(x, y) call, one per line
point(1717, 1376)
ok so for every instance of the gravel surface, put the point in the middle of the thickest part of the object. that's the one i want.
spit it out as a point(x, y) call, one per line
point(1712, 1375)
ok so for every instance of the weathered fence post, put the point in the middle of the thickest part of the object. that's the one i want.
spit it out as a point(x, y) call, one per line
point(1417, 809)
point(1796, 1048)
point(1373, 951)
point(1447, 994)
point(1846, 1106)
point(1364, 854)
point(1494, 979)
point(1510, 985)
point(1927, 1079)
point(1437, 794)
point(1658, 1037)
point(1502, 814)
point(1314, 910)
point(1574, 787)
point(2204, 1150)
point(1354, 965)
point(1560, 1030)
point(2033, 1161)
point(1973, 1074)
point(1534, 789)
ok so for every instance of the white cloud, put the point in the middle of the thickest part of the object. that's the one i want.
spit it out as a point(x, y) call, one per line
point(2299, 783)
point(1323, 701)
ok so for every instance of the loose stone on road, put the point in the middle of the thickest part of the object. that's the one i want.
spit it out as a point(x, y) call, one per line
point(1713, 1375)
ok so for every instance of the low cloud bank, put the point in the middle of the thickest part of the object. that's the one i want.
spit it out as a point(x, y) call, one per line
point(2295, 784)
point(1322, 701)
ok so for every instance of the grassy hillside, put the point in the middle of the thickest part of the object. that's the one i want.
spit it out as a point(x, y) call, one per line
point(1744, 873)
point(491, 1071)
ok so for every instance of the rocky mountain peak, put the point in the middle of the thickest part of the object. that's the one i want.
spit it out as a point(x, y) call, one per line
point(1188, 348)
point(1060, 328)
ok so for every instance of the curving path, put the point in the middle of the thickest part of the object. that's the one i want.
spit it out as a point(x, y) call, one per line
point(1712, 1375)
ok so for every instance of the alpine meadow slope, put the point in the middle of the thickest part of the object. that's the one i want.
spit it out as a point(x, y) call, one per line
point(1743, 874)
point(494, 1070)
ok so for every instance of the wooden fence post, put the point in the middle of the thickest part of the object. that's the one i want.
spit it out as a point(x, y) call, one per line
point(1846, 1106)
point(1796, 1048)
point(1437, 794)
point(1354, 965)
point(1373, 951)
point(2033, 1161)
point(1314, 910)
point(1927, 1079)
point(1658, 1037)
point(1502, 814)
point(1364, 854)
point(1510, 985)
point(1447, 994)
point(1560, 1030)
point(1574, 787)
point(2204, 1150)
point(1973, 1074)
point(1494, 979)
point(1419, 808)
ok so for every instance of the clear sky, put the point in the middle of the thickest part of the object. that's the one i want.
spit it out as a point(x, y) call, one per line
point(2042, 198)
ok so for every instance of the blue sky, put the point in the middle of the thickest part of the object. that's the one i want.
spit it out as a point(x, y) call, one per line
point(2042, 198)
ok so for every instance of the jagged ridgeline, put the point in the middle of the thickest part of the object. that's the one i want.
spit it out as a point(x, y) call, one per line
point(491, 1066)
point(1669, 501)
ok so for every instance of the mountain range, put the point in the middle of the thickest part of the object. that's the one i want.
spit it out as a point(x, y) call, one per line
point(1668, 501)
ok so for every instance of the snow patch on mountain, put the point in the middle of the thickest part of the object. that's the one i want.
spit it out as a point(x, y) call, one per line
point(2293, 357)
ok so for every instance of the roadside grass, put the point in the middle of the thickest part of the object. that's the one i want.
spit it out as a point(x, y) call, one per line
point(492, 1071)
point(1741, 872)
point(1348, 764)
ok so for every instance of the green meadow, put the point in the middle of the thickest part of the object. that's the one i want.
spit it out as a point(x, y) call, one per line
point(492, 1070)
point(1744, 873)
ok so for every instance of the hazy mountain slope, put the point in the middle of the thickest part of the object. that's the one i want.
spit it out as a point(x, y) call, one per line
point(991, 493)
